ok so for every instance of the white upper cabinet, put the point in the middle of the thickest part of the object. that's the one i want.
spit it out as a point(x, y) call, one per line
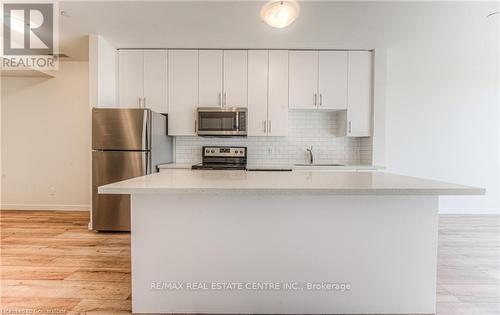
point(359, 94)
point(130, 78)
point(235, 78)
point(155, 80)
point(332, 85)
point(268, 82)
point(278, 93)
point(257, 92)
point(210, 78)
point(183, 92)
point(142, 79)
point(303, 79)
point(267, 93)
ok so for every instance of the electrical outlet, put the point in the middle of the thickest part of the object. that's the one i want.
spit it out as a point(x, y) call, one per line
point(52, 191)
point(270, 151)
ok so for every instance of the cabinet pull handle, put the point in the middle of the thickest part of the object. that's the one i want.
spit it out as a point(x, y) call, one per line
point(349, 126)
point(265, 125)
point(320, 99)
point(144, 103)
point(315, 99)
point(195, 126)
point(219, 102)
point(139, 102)
point(269, 126)
point(224, 99)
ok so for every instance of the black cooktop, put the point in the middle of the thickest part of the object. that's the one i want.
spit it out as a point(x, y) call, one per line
point(202, 166)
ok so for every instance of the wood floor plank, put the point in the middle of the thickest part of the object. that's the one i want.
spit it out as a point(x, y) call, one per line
point(66, 289)
point(92, 251)
point(100, 275)
point(36, 273)
point(91, 262)
point(475, 293)
point(104, 307)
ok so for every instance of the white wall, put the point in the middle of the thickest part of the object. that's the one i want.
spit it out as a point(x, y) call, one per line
point(103, 72)
point(442, 102)
point(46, 140)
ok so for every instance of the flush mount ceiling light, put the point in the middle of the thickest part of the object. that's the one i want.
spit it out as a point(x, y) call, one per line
point(280, 14)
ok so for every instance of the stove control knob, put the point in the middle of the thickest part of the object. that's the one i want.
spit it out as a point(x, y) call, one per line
point(206, 151)
point(213, 151)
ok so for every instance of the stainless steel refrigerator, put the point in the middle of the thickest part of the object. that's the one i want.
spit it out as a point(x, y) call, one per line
point(126, 143)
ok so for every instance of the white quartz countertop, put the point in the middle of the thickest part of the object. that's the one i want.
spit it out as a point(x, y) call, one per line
point(183, 181)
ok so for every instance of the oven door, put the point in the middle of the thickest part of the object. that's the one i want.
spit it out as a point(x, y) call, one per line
point(221, 122)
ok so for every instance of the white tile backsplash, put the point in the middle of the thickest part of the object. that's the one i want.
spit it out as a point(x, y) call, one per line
point(305, 128)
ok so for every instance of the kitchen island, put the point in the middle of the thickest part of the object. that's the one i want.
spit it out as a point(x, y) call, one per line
point(284, 242)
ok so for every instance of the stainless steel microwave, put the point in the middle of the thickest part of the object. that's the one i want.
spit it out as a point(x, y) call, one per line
point(217, 121)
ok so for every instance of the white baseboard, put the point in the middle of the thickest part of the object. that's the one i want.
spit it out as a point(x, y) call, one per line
point(45, 207)
point(469, 211)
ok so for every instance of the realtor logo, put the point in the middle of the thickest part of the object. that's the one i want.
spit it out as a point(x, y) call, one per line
point(29, 35)
point(28, 29)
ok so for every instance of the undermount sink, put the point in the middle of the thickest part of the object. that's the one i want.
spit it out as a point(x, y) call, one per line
point(319, 164)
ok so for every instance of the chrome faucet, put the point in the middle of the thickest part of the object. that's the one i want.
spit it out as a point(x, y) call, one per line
point(311, 157)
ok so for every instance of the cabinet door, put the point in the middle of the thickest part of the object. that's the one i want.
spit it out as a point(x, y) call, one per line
point(257, 92)
point(278, 93)
point(183, 92)
point(303, 84)
point(155, 80)
point(210, 78)
point(333, 79)
point(235, 78)
point(359, 94)
point(130, 78)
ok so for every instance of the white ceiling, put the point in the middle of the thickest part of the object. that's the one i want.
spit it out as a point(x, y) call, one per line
point(236, 24)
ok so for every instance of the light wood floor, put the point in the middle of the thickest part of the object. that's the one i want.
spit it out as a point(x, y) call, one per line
point(51, 264)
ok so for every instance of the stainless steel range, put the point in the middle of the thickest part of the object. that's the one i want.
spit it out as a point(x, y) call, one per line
point(223, 158)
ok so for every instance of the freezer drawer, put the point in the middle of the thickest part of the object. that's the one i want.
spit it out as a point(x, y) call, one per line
point(112, 212)
point(120, 129)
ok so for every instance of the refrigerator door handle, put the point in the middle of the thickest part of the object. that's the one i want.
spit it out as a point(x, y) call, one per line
point(145, 131)
point(148, 129)
point(145, 162)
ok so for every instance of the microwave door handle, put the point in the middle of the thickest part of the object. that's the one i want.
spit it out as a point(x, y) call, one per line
point(237, 121)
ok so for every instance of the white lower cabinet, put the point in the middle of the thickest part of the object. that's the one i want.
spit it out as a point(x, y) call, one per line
point(183, 92)
point(267, 93)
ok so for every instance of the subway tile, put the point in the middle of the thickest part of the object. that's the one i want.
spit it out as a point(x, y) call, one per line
point(305, 129)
